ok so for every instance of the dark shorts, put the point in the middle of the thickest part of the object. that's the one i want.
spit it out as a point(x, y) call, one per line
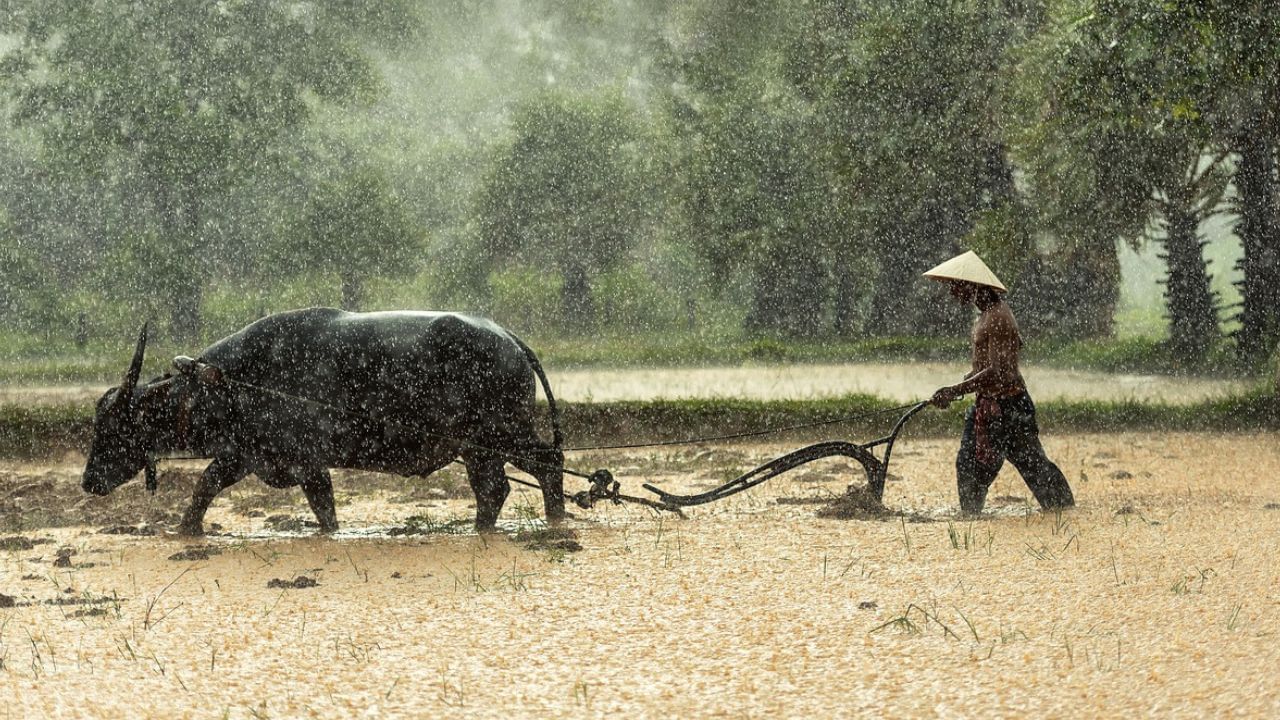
point(1006, 429)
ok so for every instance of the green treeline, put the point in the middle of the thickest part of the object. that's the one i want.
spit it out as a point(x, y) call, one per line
point(735, 166)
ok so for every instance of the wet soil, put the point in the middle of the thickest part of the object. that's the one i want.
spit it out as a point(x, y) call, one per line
point(1158, 595)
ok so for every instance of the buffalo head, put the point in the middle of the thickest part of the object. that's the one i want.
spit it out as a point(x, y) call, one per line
point(120, 442)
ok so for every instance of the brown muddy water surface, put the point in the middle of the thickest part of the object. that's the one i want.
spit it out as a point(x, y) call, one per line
point(1158, 595)
point(900, 382)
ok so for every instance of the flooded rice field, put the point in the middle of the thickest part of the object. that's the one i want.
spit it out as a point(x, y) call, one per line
point(900, 382)
point(1159, 594)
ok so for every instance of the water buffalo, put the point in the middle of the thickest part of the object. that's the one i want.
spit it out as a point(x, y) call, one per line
point(297, 393)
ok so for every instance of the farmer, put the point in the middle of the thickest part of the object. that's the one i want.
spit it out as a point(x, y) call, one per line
point(1002, 422)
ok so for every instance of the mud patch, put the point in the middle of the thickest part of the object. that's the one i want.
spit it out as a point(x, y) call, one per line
point(196, 553)
point(255, 502)
point(16, 543)
point(299, 582)
point(1008, 500)
point(289, 524)
point(815, 476)
point(10, 601)
point(434, 490)
point(89, 612)
point(807, 500)
point(857, 503)
point(58, 501)
point(718, 456)
point(84, 600)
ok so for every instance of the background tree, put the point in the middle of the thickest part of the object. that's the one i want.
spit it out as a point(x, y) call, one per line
point(822, 32)
point(783, 168)
point(28, 296)
point(910, 93)
point(755, 180)
point(1115, 146)
point(1241, 42)
point(181, 101)
point(565, 194)
point(756, 209)
point(354, 225)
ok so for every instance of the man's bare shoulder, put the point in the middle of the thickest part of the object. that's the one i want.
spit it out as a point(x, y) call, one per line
point(998, 319)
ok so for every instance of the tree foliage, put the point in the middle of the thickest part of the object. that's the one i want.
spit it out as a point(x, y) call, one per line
point(354, 225)
point(756, 205)
point(182, 100)
point(566, 193)
point(753, 171)
point(1116, 146)
point(909, 93)
point(787, 167)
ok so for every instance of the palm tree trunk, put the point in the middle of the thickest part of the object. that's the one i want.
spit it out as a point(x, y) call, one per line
point(1193, 317)
point(1255, 182)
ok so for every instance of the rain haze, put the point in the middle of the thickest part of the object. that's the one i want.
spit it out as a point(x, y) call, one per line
point(642, 358)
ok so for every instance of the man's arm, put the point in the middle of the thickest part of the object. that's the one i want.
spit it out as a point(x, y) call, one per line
point(976, 381)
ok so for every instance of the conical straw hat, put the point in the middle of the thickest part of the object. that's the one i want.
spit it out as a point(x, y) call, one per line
point(969, 268)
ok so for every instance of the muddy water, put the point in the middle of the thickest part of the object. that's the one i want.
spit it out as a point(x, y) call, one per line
point(1159, 595)
point(901, 382)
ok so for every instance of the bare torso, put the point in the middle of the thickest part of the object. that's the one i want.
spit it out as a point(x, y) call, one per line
point(996, 345)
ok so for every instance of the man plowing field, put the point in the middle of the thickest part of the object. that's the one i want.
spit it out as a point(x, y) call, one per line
point(1002, 422)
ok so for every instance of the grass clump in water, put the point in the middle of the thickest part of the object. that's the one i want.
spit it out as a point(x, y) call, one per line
point(551, 538)
point(427, 525)
point(857, 503)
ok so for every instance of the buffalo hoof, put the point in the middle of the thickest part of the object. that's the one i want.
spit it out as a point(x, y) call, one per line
point(560, 518)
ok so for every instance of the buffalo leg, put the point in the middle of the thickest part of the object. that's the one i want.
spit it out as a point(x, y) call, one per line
point(546, 464)
point(222, 473)
point(317, 485)
point(489, 483)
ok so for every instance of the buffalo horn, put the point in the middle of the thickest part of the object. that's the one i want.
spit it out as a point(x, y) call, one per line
point(135, 367)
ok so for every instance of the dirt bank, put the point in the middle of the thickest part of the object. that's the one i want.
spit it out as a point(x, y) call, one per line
point(1158, 595)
